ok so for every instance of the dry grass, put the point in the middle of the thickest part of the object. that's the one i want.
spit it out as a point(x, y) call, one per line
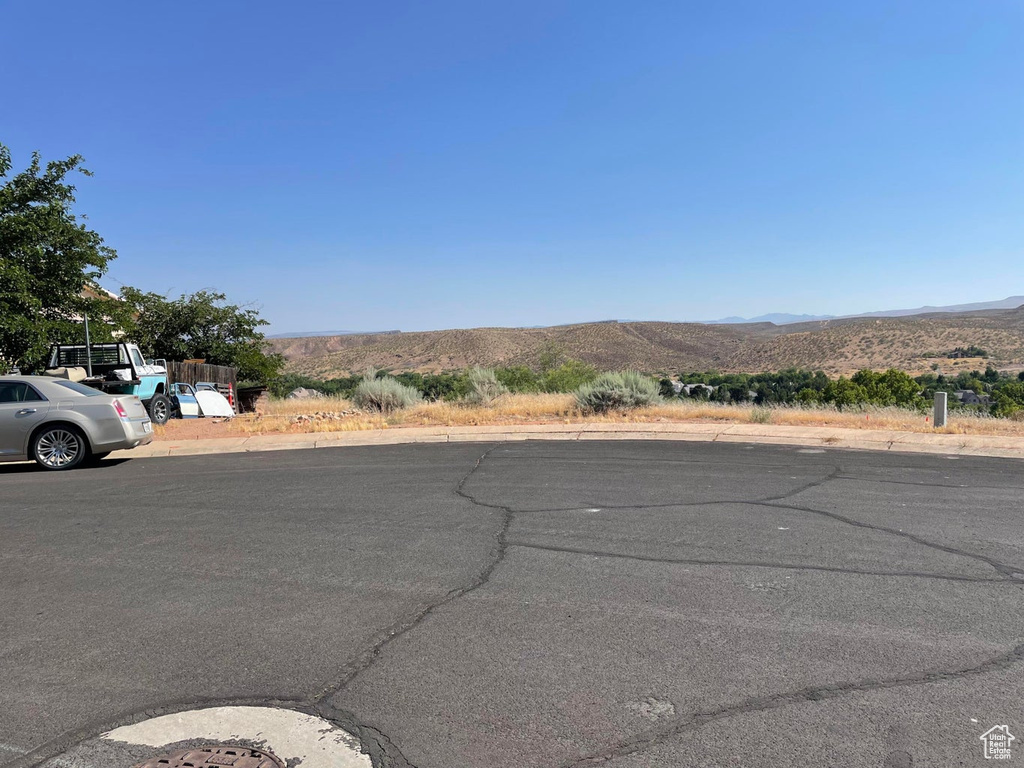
point(296, 407)
point(561, 409)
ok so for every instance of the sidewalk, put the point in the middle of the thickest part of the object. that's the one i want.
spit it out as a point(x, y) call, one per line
point(813, 437)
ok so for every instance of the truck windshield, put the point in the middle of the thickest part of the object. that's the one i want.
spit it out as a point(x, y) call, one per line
point(81, 389)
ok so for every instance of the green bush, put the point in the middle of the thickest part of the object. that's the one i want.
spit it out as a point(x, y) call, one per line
point(568, 377)
point(617, 392)
point(518, 378)
point(484, 387)
point(385, 395)
point(445, 386)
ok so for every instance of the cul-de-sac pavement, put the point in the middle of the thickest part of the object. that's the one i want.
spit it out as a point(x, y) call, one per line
point(506, 605)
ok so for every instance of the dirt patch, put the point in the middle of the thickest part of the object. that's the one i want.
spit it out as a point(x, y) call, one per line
point(200, 429)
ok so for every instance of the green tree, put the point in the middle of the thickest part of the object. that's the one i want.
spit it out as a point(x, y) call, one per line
point(1009, 398)
point(808, 396)
point(844, 392)
point(47, 257)
point(202, 325)
point(721, 394)
point(893, 387)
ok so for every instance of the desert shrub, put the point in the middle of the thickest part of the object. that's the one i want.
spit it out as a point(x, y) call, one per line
point(484, 387)
point(385, 395)
point(760, 415)
point(617, 392)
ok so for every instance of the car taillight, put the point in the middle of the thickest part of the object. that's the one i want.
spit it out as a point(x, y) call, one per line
point(231, 395)
point(120, 409)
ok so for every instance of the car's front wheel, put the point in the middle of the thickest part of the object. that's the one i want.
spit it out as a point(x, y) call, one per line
point(59, 447)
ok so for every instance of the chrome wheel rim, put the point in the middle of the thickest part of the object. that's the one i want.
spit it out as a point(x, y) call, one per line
point(58, 448)
point(160, 411)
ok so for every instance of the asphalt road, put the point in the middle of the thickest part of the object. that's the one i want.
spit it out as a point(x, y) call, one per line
point(546, 603)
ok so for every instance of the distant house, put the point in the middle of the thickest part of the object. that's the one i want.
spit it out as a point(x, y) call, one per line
point(93, 291)
point(970, 397)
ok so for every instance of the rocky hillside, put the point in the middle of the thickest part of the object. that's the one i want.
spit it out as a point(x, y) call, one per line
point(836, 346)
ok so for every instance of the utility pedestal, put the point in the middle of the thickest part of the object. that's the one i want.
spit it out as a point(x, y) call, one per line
point(939, 418)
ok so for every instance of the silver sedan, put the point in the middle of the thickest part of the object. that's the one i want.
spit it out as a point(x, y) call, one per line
point(61, 423)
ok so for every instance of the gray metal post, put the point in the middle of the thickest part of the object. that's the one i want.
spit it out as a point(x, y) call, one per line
point(939, 417)
point(88, 350)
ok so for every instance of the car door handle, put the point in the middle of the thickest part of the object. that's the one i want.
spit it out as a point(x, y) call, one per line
point(25, 411)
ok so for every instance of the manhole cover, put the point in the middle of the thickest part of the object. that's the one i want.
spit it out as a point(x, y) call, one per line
point(214, 755)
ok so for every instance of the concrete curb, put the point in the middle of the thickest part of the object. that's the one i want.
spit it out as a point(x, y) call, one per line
point(829, 437)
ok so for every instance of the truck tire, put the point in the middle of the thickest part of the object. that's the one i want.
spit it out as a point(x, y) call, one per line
point(159, 409)
point(59, 446)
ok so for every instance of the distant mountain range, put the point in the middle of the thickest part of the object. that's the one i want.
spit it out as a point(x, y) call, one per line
point(778, 318)
point(782, 318)
point(308, 334)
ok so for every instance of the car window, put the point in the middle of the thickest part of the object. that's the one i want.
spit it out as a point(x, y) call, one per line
point(17, 392)
point(137, 358)
point(77, 388)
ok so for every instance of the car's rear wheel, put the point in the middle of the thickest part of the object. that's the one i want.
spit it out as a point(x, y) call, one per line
point(59, 447)
point(159, 409)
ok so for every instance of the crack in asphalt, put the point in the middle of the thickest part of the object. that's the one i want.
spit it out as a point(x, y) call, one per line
point(651, 737)
point(1009, 572)
point(961, 486)
point(768, 464)
point(806, 487)
point(366, 658)
point(761, 564)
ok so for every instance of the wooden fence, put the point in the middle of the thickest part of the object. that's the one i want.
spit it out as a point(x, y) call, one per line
point(190, 373)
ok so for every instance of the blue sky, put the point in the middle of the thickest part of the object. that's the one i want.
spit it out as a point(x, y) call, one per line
point(450, 164)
